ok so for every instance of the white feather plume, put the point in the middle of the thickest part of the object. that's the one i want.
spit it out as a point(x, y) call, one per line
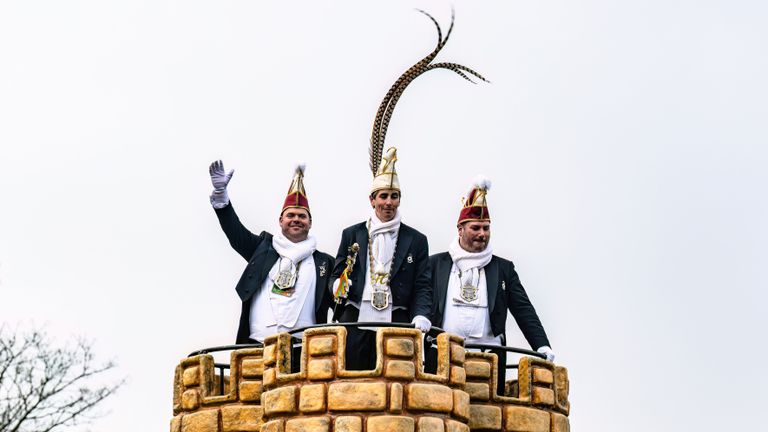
point(481, 182)
point(299, 168)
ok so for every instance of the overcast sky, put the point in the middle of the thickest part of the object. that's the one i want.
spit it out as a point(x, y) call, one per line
point(626, 142)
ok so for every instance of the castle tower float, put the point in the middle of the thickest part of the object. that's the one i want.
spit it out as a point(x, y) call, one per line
point(261, 394)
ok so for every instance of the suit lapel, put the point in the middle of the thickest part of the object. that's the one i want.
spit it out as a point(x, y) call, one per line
point(321, 275)
point(404, 239)
point(270, 259)
point(492, 282)
point(442, 276)
point(361, 238)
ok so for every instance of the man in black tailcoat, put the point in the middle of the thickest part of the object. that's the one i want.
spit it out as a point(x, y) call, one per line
point(390, 279)
point(473, 289)
point(285, 284)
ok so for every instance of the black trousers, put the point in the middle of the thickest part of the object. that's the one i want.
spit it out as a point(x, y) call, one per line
point(361, 351)
point(430, 364)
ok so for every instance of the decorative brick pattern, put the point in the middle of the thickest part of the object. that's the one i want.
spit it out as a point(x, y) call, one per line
point(176, 424)
point(202, 421)
point(280, 401)
point(250, 391)
point(400, 348)
point(400, 369)
point(253, 368)
point(430, 397)
point(521, 419)
point(262, 394)
point(484, 417)
point(390, 424)
point(560, 423)
point(478, 391)
point(240, 418)
point(192, 376)
point(431, 424)
point(311, 424)
point(321, 369)
point(396, 398)
point(543, 376)
point(357, 396)
point(273, 426)
point(475, 369)
point(322, 346)
point(312, 399)
point(454, 426)
point(348, 424)
point(190, 400)
point(461, 404)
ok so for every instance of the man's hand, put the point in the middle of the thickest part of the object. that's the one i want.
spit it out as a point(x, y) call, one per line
point(422, 323)
point(547, 351)
point(219, 178)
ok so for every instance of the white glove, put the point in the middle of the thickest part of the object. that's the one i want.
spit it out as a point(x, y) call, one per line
point(220, 179)
point(422, 323)
point(547, 351)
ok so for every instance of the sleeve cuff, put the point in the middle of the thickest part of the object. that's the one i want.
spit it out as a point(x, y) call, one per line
point(219, 199)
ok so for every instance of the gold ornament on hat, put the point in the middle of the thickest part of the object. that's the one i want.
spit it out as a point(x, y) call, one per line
point(386, 176)
point(387, 107)
point(475, 206)
point(297, 196)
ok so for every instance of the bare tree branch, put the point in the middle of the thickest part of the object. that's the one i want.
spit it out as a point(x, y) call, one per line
point(44, 388)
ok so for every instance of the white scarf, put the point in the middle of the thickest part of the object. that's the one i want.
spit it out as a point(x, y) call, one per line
point(294, 252)
point(383, 241)
point(469, 262)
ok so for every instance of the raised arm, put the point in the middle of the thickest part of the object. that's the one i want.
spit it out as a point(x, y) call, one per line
point(240, 238)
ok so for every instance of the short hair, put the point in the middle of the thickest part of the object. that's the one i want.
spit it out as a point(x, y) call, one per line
point(373, 194)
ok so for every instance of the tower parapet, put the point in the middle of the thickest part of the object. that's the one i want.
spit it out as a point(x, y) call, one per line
point(263, 394)
point(537, 401)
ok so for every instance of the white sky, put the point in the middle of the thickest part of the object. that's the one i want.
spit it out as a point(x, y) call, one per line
point(626, 142)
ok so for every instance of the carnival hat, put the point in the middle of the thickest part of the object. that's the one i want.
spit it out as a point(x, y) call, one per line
point(475, 206)
point(386, 176)
point(297, 196)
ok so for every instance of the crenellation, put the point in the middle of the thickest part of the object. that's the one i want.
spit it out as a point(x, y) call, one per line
point(262, 394)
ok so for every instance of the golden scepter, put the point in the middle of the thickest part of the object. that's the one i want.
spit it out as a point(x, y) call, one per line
point(342, 291)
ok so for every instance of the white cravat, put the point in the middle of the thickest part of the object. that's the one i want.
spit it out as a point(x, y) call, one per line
point(467, 262)
point(383, 238)
point(469, 319)
point(273, 313)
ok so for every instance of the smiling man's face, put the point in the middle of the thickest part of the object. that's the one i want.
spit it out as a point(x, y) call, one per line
point(385, 202)
point(295, 224)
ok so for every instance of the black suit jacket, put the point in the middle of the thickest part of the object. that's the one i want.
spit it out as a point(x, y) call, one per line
point(505, 292)
point(410, 280)
point(261, 256)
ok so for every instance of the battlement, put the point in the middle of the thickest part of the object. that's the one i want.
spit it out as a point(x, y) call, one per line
point(262, 394)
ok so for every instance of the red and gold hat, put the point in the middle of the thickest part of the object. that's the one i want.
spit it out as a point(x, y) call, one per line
point(297, 197)
point(475, 208)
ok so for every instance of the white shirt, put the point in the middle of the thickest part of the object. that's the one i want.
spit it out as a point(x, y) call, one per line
point(274, 313)
point(470, 320)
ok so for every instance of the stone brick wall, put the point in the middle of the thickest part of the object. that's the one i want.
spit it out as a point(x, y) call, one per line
point(536, 402)
point(263, 395)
